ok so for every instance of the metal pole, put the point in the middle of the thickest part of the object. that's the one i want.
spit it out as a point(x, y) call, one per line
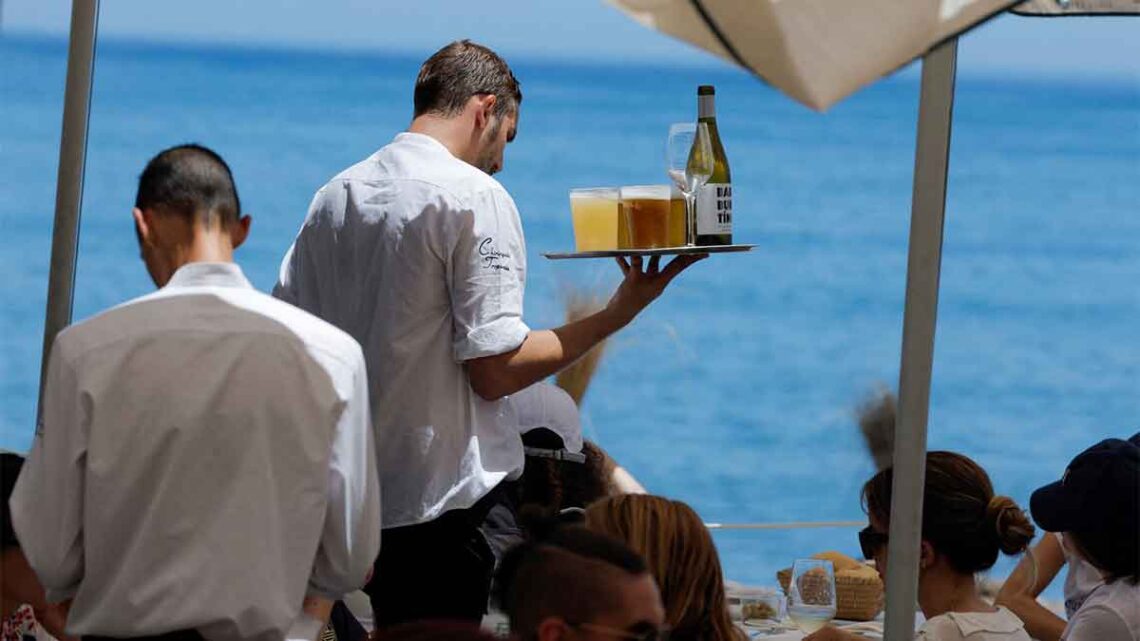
point(69, 183)
point(928, 208)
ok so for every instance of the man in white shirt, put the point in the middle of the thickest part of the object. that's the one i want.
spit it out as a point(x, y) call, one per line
point(204, 464)
point(419, 254)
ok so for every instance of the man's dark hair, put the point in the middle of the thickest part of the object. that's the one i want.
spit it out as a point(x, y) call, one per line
point(190, 181)
point(574, 574)
point(462, 69)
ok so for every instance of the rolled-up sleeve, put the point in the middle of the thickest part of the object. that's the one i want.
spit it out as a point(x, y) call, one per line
point(47, 502)
point(350, 540)
point(487, 277)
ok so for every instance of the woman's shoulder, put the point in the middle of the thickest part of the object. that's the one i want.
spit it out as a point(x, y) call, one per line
point(1001, 625)
point(1111, 611)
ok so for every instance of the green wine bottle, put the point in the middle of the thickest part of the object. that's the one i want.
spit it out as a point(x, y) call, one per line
point(714, 200)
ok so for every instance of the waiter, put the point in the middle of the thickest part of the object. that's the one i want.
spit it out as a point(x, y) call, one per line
point(204, 466)
point(419, 254)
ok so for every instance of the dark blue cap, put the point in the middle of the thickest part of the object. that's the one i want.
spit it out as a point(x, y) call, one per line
point(1099, 491)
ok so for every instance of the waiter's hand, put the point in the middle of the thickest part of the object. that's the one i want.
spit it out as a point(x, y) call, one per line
point(641, 287)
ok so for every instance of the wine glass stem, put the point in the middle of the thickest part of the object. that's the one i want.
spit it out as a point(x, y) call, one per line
point(690, 219)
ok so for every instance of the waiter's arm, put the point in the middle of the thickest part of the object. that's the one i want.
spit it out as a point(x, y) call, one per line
point(546, 352)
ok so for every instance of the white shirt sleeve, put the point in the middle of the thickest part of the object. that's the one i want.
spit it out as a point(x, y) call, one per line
point(47, 502)
point(1096, 623)
point(486, 278)
point(295, 267)
point(350, 540)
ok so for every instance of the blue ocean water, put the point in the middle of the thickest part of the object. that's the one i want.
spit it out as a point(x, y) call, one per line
point(735, 391)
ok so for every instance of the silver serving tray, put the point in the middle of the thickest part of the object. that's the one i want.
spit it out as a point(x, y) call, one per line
point(660, 251)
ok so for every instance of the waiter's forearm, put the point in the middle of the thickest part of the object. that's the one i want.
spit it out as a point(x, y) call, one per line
point(543, 353)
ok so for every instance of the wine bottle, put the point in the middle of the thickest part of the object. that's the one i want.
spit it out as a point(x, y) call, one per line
point(714, 200)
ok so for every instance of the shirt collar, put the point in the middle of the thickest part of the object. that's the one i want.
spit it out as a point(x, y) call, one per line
point(422, 140)
point(209, 275)
point(1002, 621)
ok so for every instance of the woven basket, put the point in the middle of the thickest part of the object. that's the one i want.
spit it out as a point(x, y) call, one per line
point(858, 593)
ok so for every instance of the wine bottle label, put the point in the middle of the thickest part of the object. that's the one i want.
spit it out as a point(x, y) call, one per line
point(714, 209)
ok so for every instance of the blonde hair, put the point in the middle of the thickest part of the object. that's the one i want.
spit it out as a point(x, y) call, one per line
point(680, 553)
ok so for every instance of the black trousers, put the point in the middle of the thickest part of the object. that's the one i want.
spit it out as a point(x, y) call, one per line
point(442, 569)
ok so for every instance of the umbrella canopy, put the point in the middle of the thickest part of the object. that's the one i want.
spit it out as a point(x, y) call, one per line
point(1078, 8)
point(816, 51)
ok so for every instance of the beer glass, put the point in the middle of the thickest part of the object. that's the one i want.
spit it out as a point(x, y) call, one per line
point(645, 211)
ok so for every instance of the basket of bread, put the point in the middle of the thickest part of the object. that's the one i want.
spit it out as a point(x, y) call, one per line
point(858, 588)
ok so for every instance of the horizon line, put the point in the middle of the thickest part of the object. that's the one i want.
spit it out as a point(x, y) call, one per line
point(710, 63)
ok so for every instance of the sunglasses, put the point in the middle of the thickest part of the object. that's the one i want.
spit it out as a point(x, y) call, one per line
point(871, 541)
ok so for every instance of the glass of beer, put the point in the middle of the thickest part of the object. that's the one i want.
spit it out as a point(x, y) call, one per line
point(678, 218)
point(645, 212)
point(595, 216)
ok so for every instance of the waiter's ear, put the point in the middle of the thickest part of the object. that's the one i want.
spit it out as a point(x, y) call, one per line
point(240, 230)
point(143, 230)
point(485, 109)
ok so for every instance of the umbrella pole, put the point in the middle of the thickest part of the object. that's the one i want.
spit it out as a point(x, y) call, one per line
point(928, 208)
point(69, 182)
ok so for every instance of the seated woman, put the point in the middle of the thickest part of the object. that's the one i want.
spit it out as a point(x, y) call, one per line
point(1096, 504)
point(964, 526)
point(1037, 570)
point(680, 553)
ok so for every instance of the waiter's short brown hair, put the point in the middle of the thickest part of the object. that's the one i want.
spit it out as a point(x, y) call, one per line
point(462, 69)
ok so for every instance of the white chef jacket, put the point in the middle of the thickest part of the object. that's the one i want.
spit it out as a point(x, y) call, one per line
point(204, 461)
point(420, 257)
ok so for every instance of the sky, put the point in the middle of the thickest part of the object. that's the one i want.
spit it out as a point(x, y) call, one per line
point(559, 29)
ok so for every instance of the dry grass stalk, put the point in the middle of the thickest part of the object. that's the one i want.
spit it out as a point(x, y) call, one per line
point(576, 378)
point(877, 423)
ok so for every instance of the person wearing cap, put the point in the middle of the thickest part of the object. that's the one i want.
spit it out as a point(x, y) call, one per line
point(1096, 504)
point(1036, 571)
point(204, 465)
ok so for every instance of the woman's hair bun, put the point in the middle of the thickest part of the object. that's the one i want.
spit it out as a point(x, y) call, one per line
point(1013, 528)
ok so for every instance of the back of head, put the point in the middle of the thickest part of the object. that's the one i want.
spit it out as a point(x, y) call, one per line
point(190, 181)
point(962, 519)
point(574, 574)
point(459, 71)
point(680, 553)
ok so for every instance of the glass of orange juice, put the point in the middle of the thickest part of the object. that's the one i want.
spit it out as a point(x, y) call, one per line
point(595, 214)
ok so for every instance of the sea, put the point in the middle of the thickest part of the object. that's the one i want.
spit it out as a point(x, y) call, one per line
point(736, 391)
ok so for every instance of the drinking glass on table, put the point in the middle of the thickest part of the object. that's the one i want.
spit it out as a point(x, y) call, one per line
point(689, 162)
point(811, 594)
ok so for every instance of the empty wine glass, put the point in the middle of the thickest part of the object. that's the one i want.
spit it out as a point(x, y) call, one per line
point(811, 594)
point(689, 161)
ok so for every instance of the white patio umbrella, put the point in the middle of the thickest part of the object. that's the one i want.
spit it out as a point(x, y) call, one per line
point(817, 52)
